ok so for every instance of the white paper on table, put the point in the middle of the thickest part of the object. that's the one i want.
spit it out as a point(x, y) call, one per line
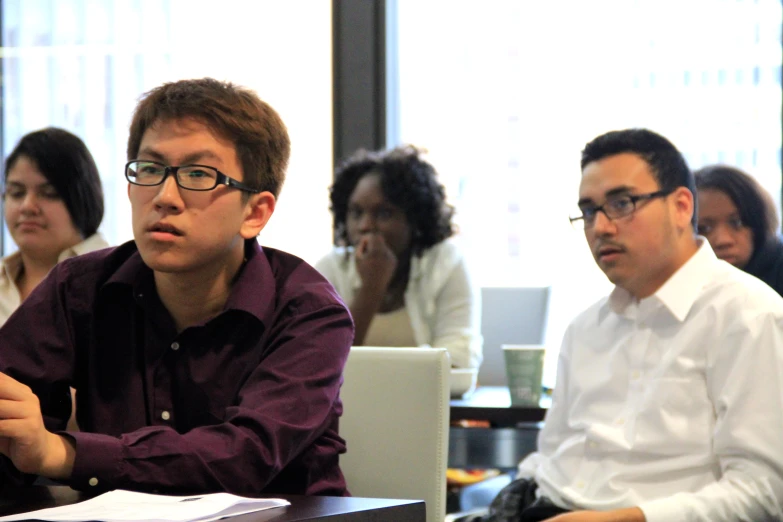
point(128, 506)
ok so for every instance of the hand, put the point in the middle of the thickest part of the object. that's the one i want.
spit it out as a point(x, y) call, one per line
point(25, 439)
point(375, 261)
point(619, 515)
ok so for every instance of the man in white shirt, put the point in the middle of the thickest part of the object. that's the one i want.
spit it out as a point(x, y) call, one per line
point(669, 397)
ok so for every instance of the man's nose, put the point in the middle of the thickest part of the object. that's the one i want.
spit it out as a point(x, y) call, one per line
point(603, 225)
point(169, 195)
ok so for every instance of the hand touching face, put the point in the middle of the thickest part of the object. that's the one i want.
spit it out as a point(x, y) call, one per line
point(375, 261)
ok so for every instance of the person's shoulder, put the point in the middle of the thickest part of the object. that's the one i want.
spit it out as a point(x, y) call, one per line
point(448, 250)
point(735, 293)
point(439, 260)
point(98, 264)
point(298, 283)
point(336, 260)
point(591, 316)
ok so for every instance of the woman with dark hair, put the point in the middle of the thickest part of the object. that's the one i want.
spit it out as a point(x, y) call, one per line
point(404, 281)
point(53, 204)
point(738, 218)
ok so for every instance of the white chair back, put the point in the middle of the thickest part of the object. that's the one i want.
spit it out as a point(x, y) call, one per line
point(395, 423)
point(509, 316)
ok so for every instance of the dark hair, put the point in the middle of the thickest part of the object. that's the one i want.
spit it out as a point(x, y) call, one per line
point(754, 204)
point(666, 162)
point(408, 182)
point(64, 160)
point(231, 112)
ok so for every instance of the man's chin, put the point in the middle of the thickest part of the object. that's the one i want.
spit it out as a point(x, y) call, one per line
point(164, 262)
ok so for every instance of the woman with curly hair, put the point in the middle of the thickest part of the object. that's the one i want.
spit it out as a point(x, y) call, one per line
point(404, 280)
point(738, 218)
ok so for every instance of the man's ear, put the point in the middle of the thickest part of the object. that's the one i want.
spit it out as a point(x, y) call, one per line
point(258, 210)
point(684, 206)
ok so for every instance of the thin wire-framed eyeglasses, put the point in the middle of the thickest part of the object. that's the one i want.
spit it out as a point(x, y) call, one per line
point(615, 207)
point(189, 177)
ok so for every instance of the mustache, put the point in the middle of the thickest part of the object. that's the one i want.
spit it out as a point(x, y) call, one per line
point(607, 245)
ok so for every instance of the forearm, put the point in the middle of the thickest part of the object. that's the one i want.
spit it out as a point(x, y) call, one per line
point(633, 514)
point(366, 303)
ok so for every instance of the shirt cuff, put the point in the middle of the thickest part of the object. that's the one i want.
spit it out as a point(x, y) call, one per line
point(97, 463)
point(662, 510)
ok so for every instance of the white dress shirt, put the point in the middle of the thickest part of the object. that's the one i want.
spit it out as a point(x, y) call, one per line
point(443, 305)
point(11, 265)
point(673, 403)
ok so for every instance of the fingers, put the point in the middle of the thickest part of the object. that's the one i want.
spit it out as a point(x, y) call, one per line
point(14, 390)
point(14, 429)
point(373, 243)
point(18, 409)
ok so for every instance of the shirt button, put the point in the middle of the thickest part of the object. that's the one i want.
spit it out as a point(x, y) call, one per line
point(580, 484)
point(620, 421)
point(175, 346)
point(592, 445)
point(642, 325)
point(165, 415)
point(635, 375)
point(93, 481)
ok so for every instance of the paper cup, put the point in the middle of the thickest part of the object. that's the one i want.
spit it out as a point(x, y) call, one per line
point(524, 371)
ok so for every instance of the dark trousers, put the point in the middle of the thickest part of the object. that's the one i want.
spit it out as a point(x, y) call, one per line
point(517, 502)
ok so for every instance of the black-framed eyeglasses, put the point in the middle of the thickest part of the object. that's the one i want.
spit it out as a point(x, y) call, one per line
point(615, 207)
point(190, 177)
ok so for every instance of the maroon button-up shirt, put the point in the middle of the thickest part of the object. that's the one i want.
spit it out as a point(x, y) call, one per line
point(247, 402)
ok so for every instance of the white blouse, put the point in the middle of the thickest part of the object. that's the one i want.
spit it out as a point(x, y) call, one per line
point(443, 305)
point(10, 266)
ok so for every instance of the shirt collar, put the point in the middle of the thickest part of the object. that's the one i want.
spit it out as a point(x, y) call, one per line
point(12, 266)
point(252, 291)
point(92, 243)
point(254, 288)
point(680, 291)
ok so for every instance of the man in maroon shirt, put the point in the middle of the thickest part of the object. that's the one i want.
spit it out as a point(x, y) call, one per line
point(201, 361)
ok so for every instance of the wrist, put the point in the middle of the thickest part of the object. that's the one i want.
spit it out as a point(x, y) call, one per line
point(59, 457)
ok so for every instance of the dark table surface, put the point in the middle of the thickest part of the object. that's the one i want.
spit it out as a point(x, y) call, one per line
point(332, 509)
point(510, 435)
point(493, 404)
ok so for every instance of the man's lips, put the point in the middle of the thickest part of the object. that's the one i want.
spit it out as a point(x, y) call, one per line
point(609, 251)
point(165, 229)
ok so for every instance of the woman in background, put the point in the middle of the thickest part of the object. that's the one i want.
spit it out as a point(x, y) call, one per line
point(405, 282)
point(53, 205)
point(738, 218)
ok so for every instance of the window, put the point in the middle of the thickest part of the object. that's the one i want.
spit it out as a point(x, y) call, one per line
point(505, 94)
point(82, 65)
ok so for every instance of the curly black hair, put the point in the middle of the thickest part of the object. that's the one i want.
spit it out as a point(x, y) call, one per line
point(407, 182)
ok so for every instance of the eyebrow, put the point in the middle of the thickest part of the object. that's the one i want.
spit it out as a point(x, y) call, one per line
point(45, 184)
point(190, 158)
point(621, 190)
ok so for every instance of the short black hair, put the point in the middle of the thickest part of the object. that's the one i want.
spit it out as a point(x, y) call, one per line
point(754, 204)
point(667, 164)
point(64, 160)
point(407, 181)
